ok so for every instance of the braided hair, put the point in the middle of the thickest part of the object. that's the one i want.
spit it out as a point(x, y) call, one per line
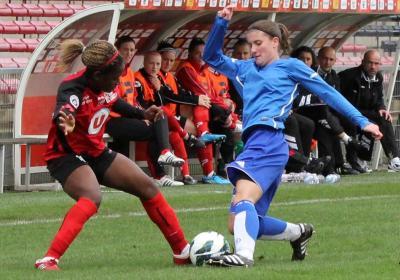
point(97, 56)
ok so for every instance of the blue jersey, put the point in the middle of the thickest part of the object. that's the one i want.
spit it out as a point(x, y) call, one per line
point(268, 92)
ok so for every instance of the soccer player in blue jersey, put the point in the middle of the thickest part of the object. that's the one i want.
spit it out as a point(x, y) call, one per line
point(269, 85)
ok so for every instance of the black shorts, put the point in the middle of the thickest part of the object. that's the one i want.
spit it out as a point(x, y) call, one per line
point(60, 168)
point(182, 120)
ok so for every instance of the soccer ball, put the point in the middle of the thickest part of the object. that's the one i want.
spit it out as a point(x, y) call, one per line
point(206, 245)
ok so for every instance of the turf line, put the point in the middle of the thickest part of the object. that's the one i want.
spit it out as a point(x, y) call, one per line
point(203, 209)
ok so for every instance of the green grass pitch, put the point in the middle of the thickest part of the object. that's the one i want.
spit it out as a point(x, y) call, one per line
point(357, 224)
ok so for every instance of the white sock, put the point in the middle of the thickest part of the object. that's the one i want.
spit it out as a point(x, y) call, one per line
point(291, 233)
point(244, 243)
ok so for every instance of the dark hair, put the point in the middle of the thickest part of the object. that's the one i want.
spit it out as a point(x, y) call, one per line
point(194, 43)
point(99, 55)
point(122, 40)
point(273, 29)
point(164, 46)
point(241, 42)
point(296, 54)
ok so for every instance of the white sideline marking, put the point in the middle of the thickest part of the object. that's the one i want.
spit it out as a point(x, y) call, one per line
point(203, 209)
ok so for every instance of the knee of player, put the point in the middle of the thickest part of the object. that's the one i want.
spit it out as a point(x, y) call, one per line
point(95, 197)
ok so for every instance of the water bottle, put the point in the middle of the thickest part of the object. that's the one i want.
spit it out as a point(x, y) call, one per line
point(332, 178)
point(311, 179)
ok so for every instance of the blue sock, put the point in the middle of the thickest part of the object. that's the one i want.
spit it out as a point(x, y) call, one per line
point(271, 226)
point(246, 228)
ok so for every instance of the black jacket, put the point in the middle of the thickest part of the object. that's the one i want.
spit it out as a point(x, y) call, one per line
point(365, 94)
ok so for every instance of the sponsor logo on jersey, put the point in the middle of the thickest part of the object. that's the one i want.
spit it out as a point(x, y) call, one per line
point(98, 120)
point(74, 100)
point(86, 100)
point(101, 99)
point(110, 96)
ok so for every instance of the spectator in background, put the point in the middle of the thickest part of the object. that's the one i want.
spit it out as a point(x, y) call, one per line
point(151, 91)
point(193, 76)
point(123, 130)
point(327, 125)
point(326, 59)
point(363, 87)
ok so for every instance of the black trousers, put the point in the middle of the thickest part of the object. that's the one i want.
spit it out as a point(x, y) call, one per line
point(388, 140)
point(218, 117)
point(298, 131)
point(123, 130)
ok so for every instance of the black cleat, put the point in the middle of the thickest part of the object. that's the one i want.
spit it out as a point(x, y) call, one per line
point(317, 165)
point(300, 244)
point(346, 169)
point(189, 180)
point(195, 142)
point(357, 145)
point(230, 260)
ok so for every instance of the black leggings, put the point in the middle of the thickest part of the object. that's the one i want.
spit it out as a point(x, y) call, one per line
point(123, 130)
point(299, 131)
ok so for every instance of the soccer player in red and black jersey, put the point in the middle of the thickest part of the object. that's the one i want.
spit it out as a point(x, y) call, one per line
point(78, 158)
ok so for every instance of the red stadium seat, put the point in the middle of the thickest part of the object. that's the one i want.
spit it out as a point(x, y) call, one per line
point(18, 10)
point(16, 45)
point(64, 10)
point(25, 27)
point(41, 27)
point(6, 62)
point(9, 27)
point(49, 10)
point(5, 10)
point(21, 61)
point(4, 45)
point(30, 43)
point(52, 24)
point(33, 10)
point(76, 8)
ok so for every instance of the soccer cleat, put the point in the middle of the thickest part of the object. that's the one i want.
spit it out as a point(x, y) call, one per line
point(394, 165)
point(195, 142)
point(300, 244)
point(346, 169)
point(170, 159)
point(167, 181)
point(356, 145)
point(230, 260)
point(215, 179)
point(183, 258)
point(212, 138)
point(47, 263)
point(189, 180)
point(317, 165)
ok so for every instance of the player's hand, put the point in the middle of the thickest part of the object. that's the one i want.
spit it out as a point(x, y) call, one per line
point(153, 113)
point(155, 82)
point(385, 114)
point(227, 12)
point(147, 122)
point(66, 122)
point(205, 101)
point(374, 130)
